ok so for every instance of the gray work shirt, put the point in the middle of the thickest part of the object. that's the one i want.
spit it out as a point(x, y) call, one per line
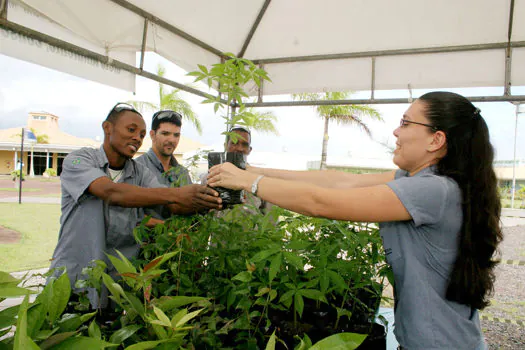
point(89, 227)
point(422, 252)
point(176, 176)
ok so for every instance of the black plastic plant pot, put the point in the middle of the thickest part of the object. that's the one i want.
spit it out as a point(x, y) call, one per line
point(229, 197)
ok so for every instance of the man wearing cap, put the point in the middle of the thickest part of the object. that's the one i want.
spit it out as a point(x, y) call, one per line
point(243, 144)
point(165, 136)
point(104, 192)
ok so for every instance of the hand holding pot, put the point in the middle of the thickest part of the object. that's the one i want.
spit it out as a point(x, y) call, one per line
point(229, 176)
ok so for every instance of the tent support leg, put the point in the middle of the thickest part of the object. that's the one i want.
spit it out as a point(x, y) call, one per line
point(144, 38)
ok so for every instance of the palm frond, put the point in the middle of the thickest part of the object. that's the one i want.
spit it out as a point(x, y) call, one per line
point(174, 101)
point(143, 106)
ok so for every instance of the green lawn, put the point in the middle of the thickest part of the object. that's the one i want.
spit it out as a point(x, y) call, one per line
point(38, 225)
point(12, 189)
point(505, 203)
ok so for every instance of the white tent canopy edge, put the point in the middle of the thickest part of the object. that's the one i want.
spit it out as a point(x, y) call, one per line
point(305, 46)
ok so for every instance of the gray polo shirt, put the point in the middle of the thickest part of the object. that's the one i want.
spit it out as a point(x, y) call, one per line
point(176, 176)
point(89, 227)
point(422, 252)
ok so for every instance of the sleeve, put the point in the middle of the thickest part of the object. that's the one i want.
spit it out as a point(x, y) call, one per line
point(149, 180)
point(186, 176)
point(424, 197)
point(79, 170)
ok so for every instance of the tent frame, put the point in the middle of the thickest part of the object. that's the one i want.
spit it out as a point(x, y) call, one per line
point(148, 17)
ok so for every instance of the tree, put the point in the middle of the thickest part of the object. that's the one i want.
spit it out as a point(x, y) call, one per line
point(341, 114)
point(170, 100)
point(41, 138)
point(231, 77)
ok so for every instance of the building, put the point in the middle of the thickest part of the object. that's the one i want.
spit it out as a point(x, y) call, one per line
point(53, 145)
point(50, 150)
point(504, 170)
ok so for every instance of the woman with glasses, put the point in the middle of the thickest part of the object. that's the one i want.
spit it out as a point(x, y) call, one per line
point(438, 213)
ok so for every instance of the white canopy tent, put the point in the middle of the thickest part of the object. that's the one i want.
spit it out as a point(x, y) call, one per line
point(305, 45)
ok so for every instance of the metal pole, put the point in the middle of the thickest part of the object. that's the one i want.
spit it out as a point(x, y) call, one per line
point(514, 161)
point(21, 168)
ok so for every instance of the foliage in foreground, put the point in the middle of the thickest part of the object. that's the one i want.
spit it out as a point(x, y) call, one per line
point(216, 281)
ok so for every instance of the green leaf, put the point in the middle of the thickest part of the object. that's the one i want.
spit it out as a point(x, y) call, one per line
point(22, 340)
point(299, 304)
point(46, 333)
point(87, 317)
point(178, 316)
point(164, 320)
point(262, 291)
point(59, 297)
point(271, 342)
point(312, 294)
point(8, 316)
point(337, 280)
point(343, 312)
point(110, 285)
point(264, 254)
point(145, 345)
point(187, 318)
point(166, 303)
point(203, 68)
point(243, 276)
point(94, 330)
point(55, 339)
point(82, 343)
point(275, 266)
point(123, 266)
point(324, 281)
point(12, 291)
point(135, 303)
point(69, 322)
point(340, 341)
point(287, 297)
point(7, 278)
point(124, 333)
point(36, 315)
point(294, 260)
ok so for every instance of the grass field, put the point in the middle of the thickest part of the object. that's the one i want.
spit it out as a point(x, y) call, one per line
point(7, 189)
point(38, 225)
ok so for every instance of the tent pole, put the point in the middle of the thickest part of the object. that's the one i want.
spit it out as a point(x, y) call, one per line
point(33, 34)
point(514, 159)
point(144, 38)
point(4, 4)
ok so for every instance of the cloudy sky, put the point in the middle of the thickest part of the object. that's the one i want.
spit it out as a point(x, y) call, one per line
point(82, 105)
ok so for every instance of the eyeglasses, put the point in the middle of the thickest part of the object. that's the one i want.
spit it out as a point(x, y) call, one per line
point(160, 115)
point(121, 106)
point(404, 122)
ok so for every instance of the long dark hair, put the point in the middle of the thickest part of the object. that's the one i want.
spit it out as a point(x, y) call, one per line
point(468, 161)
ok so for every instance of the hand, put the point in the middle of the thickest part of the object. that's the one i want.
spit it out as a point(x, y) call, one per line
point(229, 176)
point(199, 197)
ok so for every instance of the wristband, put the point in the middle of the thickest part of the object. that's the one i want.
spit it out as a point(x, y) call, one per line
point(255, 185)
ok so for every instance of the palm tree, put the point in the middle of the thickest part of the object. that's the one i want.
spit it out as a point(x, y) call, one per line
point(170, 100)
point(41, 138)
point(341, 114)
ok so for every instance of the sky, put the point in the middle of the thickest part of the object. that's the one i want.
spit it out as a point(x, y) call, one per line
point(82, 105)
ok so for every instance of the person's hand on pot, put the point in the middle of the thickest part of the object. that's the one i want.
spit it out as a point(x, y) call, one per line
point(229, 176)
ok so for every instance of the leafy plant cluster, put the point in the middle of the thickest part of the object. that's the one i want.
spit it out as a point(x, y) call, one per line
point(207, 282)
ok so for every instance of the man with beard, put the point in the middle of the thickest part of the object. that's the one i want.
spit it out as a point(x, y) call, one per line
point(104, 193)
point(165, 136)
